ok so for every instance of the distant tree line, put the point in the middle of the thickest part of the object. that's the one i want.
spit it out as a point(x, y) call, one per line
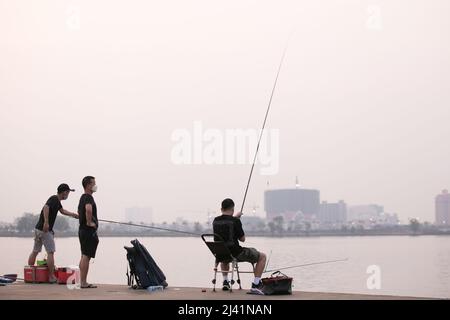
point(27, 223)
point(64, 226)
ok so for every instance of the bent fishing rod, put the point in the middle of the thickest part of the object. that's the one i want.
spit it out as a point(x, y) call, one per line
point(305, 265)
point(198, 234)
point(263, 127)
point(152, 227)
point(149, 227)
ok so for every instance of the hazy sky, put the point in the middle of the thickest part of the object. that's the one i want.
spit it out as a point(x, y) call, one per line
point(99, 87)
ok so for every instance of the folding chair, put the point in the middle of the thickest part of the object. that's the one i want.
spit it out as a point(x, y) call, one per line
point(223, 254)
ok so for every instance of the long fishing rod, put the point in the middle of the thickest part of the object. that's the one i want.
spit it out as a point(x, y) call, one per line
point(150, 227)
point(306, 264)
point(251, 171)
point(263, 126)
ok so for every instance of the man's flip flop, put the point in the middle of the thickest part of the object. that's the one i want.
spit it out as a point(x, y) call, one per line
point(89, 286)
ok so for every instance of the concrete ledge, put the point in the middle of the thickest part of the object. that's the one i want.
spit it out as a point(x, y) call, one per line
point(23, 291)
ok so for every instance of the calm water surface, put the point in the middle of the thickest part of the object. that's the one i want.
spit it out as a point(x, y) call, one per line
point(411, 266)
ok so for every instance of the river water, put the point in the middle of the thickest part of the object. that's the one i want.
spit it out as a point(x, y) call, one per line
point(394, 265)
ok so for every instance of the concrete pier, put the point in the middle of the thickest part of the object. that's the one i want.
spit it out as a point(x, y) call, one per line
point(24, 291)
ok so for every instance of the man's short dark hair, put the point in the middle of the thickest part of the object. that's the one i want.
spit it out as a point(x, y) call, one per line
point(86, 181)
point(227, 204)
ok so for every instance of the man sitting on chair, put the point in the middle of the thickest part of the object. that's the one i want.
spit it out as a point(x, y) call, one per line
point(229, 227)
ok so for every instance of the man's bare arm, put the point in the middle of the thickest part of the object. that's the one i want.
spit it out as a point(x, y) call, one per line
point(68, 213)
point(46, 226)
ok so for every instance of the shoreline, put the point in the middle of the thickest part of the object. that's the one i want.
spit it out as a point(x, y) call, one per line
point(249, 234)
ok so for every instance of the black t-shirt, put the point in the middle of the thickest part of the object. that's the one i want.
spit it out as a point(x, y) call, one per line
point(54, 205)
point(84, 200)
point(230, 229)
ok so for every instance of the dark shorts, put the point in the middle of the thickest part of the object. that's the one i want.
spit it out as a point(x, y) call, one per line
point(247, 255)
point(88, 241)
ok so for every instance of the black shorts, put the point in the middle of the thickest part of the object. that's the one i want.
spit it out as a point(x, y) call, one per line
point(88, 241)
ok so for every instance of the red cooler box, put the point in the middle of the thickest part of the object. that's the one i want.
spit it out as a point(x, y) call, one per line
point(35, 274)
point(65, 273)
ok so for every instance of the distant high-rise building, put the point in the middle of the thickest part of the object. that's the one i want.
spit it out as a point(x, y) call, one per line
point(365, 212)
point(290, 202)
point(332, 213)
point(139, 215)
point(389, 219)
point(443, 208)
point(371, 215)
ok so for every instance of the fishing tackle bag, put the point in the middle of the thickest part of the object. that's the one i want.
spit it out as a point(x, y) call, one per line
point(277, 284)
point(142, 268)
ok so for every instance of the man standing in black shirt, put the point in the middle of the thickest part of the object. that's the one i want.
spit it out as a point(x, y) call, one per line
point(43, 233)
point(87, 232)
point(229, 227)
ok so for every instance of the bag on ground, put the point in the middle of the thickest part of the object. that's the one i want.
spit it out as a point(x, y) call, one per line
point(278, 283)
point(143, 270)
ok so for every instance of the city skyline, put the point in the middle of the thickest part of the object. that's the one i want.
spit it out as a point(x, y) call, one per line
point(133, 212)
point(361, 109)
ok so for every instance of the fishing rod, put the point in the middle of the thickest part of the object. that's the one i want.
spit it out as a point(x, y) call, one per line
point(198, 234)
point(251, 171)
point(307, 264)
point(150, 227)
point(263, 126)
